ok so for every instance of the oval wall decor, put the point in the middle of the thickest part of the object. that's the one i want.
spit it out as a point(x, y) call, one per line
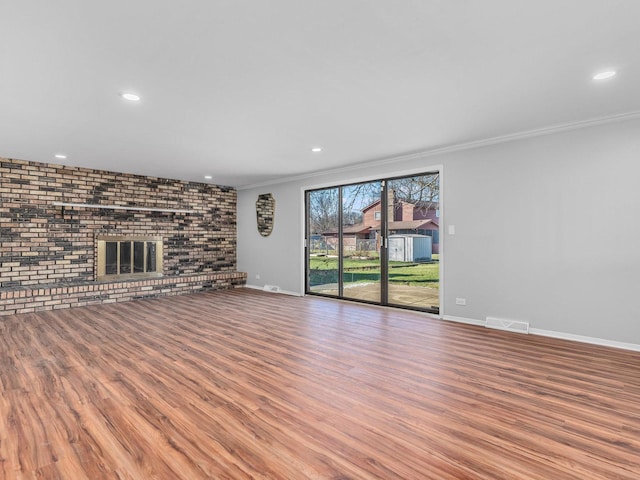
point(266, 212)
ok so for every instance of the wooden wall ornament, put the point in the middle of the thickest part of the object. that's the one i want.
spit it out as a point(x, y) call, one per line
point(266, 212)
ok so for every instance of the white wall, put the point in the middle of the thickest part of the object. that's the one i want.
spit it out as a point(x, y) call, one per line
point(547, 230)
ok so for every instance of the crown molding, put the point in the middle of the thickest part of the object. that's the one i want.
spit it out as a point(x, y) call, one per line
point(511, 137)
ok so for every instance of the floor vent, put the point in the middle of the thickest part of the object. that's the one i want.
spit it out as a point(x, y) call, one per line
point(271, 288)
point(509, 325)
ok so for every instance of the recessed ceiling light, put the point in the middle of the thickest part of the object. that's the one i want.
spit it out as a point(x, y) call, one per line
point(604, 75)
point(208, 177)
point(316, 149)
point(132, 97)
point(60, 156)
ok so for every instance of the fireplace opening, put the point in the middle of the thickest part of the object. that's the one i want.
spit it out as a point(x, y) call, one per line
point(123, 258)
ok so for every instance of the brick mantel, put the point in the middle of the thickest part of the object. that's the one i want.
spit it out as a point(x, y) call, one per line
point(28, 300)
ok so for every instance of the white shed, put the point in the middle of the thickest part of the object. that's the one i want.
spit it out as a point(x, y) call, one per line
point(409, 248)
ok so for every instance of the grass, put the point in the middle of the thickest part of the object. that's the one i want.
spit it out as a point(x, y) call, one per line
point(325, 270)
point(330, 263)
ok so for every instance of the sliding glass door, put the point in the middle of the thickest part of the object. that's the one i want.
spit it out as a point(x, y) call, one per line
point(413, 242)
point(323, 237)
point(376, 242)
point(360, 253)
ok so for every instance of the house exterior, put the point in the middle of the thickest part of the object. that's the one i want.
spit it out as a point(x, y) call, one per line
point(406, 218)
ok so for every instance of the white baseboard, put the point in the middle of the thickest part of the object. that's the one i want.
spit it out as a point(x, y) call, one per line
point(553, 334)
point(533, 331)
point(468, 321)
point(282, 292)
point(581, 338)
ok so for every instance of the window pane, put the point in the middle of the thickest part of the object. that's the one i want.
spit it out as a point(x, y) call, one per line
point(151, 256)
point(323, 237)
point(138, 257)
point(414, 268)
point(125, 257)
point(361, 254)
point(111, 260)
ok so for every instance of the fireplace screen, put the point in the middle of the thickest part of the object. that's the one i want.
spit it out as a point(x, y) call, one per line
point(129, 257)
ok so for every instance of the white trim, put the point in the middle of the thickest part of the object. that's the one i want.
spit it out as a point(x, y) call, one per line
point(453, 148)
point(302, 235)
point(441, 241)
point(559, 335)
point(468, 321)
point(376, 176)
point(479, 323)
point(280, 292)
point(583, 339)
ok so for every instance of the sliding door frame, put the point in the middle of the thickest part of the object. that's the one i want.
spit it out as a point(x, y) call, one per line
point(384, 178)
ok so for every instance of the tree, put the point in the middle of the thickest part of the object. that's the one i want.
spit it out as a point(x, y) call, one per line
point(422, 191)
point(323, 210)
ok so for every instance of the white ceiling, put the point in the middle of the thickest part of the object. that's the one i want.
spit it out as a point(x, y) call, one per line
point(242, 89)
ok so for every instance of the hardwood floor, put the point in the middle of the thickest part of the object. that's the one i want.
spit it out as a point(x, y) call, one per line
point(245, 384)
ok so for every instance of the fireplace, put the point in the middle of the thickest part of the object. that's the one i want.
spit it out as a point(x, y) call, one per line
point(127, 258)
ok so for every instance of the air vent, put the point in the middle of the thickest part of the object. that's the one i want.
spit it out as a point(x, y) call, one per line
point(509, 325)
point(271, 288)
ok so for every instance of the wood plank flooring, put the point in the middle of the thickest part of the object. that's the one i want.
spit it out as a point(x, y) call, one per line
point(250, 385)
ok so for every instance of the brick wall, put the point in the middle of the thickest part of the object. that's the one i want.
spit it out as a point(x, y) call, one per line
point(28, 300)
point(39, 246)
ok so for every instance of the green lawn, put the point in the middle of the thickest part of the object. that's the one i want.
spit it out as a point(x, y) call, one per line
point(325, 270)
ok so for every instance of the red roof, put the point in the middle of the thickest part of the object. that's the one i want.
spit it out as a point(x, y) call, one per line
point(359, 228)
point(426, 224)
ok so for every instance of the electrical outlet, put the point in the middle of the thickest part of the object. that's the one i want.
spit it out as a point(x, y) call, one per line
point(461, 301)
point(257, 277)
